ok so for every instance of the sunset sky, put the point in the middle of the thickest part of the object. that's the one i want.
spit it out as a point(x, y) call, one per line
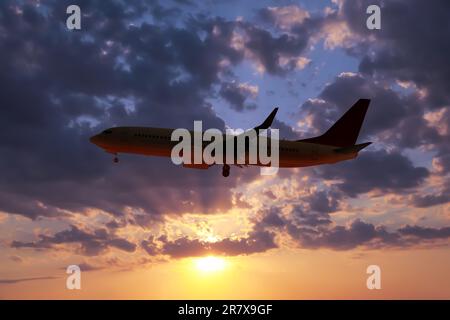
point(147, 229)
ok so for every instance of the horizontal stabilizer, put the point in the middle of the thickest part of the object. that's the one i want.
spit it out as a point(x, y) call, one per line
point(352, 149)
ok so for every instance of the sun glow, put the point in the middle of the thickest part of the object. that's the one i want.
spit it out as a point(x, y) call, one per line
point(210, 264)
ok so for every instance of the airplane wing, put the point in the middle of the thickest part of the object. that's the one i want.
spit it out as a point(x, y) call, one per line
point(263, 126)
point(268, 122)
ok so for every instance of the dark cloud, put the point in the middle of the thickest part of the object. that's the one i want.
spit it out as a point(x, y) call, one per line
point(429, 200)
point(272, 218)
point(376, 170)
point(310, 218)
point(315, 230)
point(366, 235)
point(323, 202)
point(391, 117)
point(84, 267)
point(237, 95)
point(408, 50)
point(341, 238)
point(13, 281)
point(269, 50)
point(257, 241)
point(425, 233)
point(89, 243)
point(285, 131)
point(410, 46)
point(309, 230)
point(60, 87)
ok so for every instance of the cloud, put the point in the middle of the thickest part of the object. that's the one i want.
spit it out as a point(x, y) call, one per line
point(365, 235)
point(428, 200)
point(270, 52)
point(425, 233)
point(315, 230)
point(85, 267)
point(401, 53)
point(339, 237)
point(237, 93)
point(62, 87)
point(406, 113)
point(284, 18)
point(120, 73)
point(89, 243)
point(403, 47)
point(257, 241)
point(141, 63)
point(375, 171)
point(13, 281)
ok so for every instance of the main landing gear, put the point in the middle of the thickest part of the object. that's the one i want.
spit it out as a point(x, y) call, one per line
point(226, 170)
point(115, 159)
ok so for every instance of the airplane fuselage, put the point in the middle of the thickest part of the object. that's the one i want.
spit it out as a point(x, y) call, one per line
point(157, 142)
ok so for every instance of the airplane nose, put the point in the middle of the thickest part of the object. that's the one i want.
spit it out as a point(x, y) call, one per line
point(94, 139)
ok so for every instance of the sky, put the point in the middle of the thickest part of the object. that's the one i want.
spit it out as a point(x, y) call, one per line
point(147, 229)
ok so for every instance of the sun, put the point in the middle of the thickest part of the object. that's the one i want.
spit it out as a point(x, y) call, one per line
point(210, 264)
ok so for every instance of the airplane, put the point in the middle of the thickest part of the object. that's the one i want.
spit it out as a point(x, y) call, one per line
point(337, 144)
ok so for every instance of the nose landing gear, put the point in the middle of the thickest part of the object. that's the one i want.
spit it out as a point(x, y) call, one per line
point(226, 170)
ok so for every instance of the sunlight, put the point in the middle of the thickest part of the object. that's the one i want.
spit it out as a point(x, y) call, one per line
point(210, 264)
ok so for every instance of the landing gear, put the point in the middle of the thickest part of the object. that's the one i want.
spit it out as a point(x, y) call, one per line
point(226, 170)
point(115, 159)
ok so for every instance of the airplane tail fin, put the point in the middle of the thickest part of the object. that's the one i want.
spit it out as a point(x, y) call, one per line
point(346, 130)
